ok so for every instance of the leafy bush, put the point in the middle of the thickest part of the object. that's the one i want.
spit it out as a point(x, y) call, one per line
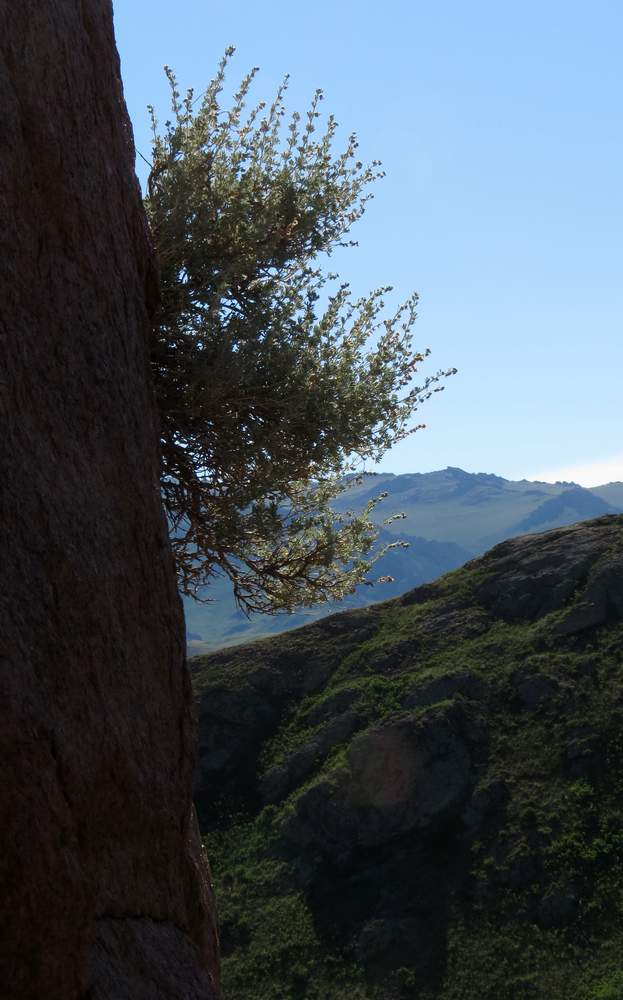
point(273, 382)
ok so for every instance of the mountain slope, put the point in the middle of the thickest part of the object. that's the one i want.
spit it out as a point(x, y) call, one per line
point(424, 798)
point(612, 493)
point(574, 504)
point(451, 515)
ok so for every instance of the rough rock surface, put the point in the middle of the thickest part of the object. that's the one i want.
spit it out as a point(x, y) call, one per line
point(532, 575)
point(246, 700)
point(410, 773)
point(104, 889)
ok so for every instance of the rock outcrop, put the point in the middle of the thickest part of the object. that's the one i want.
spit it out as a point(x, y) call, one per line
point(104, 888)
point(433, 808)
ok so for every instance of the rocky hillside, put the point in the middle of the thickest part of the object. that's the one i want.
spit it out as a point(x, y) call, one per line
point(450, 517)
point(424, 798)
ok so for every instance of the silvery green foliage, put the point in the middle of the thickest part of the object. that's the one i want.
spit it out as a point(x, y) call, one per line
point(273, 382)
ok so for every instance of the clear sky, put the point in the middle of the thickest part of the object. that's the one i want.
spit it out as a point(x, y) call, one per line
point(499, 126)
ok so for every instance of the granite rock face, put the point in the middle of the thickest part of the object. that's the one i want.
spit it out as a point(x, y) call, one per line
point(104, 889)
point(532, 575)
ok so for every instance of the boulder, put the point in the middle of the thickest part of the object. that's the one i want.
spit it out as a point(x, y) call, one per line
point(411, 773)
point(602, 600)
point(527, 577)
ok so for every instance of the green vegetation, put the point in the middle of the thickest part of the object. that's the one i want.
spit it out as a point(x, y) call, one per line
point(533, 885)
point(271, 946)
point(272, 380)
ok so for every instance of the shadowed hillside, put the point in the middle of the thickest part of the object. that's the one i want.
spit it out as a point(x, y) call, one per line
point(424, 798)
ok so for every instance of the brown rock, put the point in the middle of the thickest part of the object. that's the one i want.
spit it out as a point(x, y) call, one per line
point(409, 773)
point(103, 886)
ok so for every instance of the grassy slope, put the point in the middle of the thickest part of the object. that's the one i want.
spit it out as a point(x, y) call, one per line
point(422, 561)
point(560, 831)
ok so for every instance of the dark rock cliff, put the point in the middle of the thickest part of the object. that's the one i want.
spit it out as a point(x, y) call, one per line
point(104, 889)
point(424, 799)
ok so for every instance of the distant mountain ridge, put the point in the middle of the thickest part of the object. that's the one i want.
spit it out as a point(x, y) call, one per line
point(451, 516)
point(576, 499)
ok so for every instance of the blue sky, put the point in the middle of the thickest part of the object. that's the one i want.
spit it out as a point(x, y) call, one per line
point(499, 127)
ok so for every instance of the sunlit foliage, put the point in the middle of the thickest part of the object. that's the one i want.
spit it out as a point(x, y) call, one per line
point(273, 381)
